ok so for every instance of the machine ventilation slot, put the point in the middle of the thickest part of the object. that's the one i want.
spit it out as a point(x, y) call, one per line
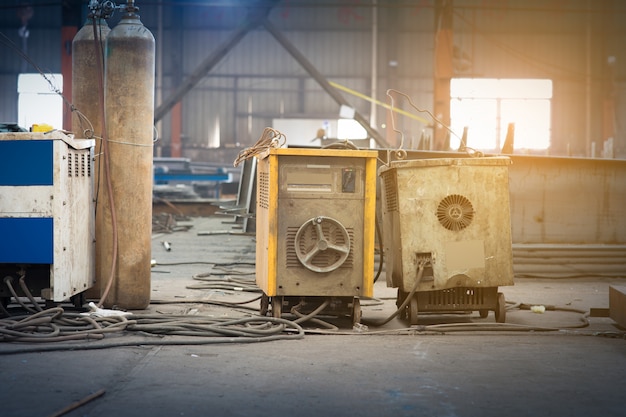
point(320, 260)
point(84, 163)
point(461, 296)
point(264, 190)
point(455, 212)
point(78, 165)
point(391, 192)
point(70, 165)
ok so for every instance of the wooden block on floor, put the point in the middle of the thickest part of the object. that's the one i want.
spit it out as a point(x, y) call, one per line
point(617, 304)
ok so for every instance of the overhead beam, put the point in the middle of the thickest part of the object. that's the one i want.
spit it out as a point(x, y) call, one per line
point(322, 81)
point(257, 17)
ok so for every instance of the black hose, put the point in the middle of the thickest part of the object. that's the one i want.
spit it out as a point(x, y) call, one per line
point(8, 281)
point(418, 279)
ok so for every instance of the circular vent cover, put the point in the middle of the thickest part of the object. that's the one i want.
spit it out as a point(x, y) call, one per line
point(455, 212)
point(322, 244)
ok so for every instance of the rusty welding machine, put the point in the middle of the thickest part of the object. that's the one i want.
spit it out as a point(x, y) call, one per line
point(447, 234)
point(315, 230)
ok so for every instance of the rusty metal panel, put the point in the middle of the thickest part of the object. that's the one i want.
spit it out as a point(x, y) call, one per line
point(568, 216)
point(568, 200)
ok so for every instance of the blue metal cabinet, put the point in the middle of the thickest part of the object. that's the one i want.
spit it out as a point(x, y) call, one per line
point(47, 214)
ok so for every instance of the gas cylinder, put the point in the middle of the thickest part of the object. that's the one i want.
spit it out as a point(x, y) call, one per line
point(87, 99)
point(87, 70)
point(129, 116)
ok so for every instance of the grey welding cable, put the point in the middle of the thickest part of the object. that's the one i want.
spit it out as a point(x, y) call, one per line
point(203, 330)
point(54, 325)
point(312, 315)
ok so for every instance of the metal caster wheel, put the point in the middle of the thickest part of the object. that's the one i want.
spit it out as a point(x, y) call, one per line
point(400, 298)
point(356, 311)
point(78, 300)
point(500, 309)
point(265, 305)
point(277, 307)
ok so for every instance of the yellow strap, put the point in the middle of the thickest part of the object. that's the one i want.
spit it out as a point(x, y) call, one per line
point(380, 103)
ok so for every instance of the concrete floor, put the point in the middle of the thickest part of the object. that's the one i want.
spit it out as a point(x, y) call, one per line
point(382, 371)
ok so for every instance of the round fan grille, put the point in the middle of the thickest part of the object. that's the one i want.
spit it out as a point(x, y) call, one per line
point(455, 212)
point(322, 244)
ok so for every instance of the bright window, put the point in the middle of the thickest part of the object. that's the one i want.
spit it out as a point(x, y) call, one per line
point(37, 102)
point(487, 107)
